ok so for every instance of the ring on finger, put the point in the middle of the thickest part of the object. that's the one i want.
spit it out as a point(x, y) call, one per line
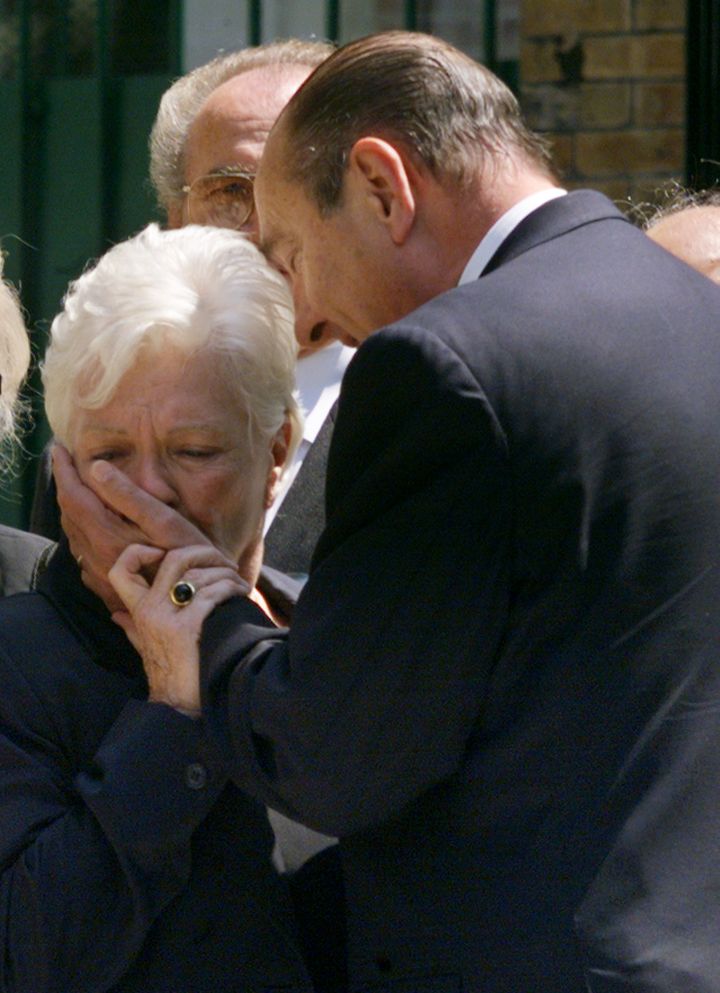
point(182, 593)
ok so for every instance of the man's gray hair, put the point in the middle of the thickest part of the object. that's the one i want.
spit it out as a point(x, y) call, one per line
point(14, 362)
point(195, 289)
point(448, 111)
point(182, 101)
point(673, 199)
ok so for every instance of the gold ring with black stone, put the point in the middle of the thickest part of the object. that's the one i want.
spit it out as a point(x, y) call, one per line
point(182, 593)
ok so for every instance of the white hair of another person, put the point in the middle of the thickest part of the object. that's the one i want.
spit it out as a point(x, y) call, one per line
point(14, 363)
point(194, 289)
point(181, 103)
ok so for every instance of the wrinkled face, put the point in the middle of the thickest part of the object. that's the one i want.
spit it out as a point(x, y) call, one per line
point(693, 235)
point(339, 262)
point(174, 427)
point(230, 132)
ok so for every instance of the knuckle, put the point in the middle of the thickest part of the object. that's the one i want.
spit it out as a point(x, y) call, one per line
point(176, 556)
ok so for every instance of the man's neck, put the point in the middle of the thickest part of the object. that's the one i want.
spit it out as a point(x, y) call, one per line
point(502, 228)
point(496, 195)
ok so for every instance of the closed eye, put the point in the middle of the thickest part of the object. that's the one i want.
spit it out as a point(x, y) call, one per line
point(196, 453)
point(106, 456)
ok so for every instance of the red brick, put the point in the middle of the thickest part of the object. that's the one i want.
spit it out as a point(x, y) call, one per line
point(562, 147)
point(653, 14)
point(604, 105)
point(538, 63)
point(658, 103)
point(542, 17)
point(607, 153)
point(633, 57)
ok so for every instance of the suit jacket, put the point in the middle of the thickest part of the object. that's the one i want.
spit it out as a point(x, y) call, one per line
point(291, 537)
point(128, 862)
point(501, 685)
point(20, 557)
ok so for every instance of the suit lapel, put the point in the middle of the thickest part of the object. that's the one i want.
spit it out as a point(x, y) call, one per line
point(553, 219)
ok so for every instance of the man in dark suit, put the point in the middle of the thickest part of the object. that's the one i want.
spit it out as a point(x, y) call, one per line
point(501, 685)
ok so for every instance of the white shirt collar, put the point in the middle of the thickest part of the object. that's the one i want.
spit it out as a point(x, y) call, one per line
point(502, 228)
point(318, 378)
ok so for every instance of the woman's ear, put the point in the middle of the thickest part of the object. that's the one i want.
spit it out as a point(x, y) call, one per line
point(385, 178)
point(278, 457)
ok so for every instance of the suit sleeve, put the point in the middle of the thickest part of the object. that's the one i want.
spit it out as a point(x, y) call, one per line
point(89, 858)
point(372, 696)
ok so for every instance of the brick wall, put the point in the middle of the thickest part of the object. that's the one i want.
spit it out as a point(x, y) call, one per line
point(606, 80)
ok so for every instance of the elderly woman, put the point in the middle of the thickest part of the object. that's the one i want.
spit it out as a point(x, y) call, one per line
point(20, 553)
point(128, 861)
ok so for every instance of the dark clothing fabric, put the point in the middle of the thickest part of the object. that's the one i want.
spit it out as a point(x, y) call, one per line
point(127, 860)
point(501, 685)
point(21, 554)
point(45, 512)
point(299, 522)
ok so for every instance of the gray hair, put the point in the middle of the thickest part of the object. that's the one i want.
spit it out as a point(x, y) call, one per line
point(445, 109)
point(14, 363)
point(672, 199)
point(196, 288)
point(182, 101)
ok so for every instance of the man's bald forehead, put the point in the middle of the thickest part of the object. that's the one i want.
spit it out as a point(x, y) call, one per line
point(250, 93)
point(232, 126)
point(693, 235)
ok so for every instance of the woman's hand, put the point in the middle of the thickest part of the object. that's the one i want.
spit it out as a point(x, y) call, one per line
point(167, 636)
point(100, 525)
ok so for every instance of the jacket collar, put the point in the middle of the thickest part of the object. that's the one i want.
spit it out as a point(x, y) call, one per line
point(555, 218)
point(85, 614)
point(90, 620)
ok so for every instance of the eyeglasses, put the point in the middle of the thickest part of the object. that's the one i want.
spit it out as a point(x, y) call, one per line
point(223, 199)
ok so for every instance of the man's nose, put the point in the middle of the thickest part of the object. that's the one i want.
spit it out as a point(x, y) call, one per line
point(311, 329)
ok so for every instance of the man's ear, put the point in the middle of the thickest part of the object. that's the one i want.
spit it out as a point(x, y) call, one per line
point(278, 457)
point(386, 178)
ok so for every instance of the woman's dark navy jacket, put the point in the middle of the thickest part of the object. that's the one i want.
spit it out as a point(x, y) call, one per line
point(128, 862)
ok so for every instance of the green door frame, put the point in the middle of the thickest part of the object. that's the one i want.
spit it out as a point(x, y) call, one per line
point(410, 22)
point(703, 93)
point(78, 181)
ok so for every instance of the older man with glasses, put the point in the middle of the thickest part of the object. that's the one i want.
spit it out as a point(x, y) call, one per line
point(223, 198)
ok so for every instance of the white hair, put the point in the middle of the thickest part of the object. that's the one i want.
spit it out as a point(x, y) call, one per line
point(14, 362)
point(181, 102)
point(196, 288)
